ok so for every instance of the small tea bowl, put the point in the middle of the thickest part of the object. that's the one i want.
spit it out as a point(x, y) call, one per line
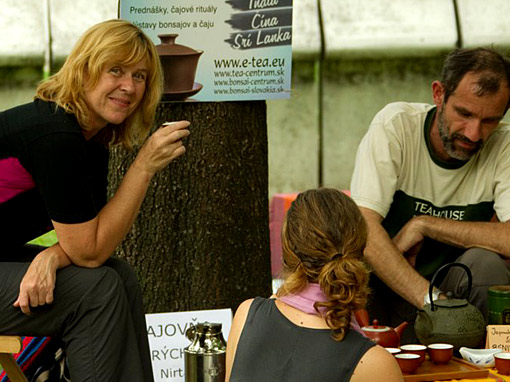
point(421, 350)
point(502, 361)
point(440, 353)
point(394, 351)
point(408, 362)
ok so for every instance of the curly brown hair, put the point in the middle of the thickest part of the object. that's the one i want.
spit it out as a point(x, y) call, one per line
point(323, 238)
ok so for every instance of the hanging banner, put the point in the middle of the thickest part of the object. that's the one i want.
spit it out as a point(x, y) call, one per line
point(219, 50)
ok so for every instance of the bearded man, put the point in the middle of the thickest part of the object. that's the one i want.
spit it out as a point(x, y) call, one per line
point(433, 183)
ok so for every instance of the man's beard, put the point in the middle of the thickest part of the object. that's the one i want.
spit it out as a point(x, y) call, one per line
point(454, 152)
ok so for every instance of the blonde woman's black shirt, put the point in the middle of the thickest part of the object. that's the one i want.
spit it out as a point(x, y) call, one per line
point(48, 170)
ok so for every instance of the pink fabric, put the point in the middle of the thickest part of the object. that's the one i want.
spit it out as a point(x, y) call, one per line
point(305, 300)
point(14, 179)
point(278, 207)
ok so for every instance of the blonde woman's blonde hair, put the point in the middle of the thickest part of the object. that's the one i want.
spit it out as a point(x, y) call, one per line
point(323, 239)
point(112, 42)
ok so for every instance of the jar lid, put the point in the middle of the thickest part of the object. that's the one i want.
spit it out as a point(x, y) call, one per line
point(209, 327)
point(168, 47)
point(499, 290)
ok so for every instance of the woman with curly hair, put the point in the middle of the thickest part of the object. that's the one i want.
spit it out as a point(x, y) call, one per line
point(304, 332)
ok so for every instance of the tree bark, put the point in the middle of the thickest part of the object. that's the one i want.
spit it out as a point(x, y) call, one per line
point(201, 239)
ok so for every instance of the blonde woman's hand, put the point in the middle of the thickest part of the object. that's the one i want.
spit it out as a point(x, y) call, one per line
point(37, 285)
point(162, 147)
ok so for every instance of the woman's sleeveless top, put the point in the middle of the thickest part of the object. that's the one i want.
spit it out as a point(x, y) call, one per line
point(272, 348)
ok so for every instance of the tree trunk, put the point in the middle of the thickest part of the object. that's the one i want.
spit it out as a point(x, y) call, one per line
point(201, 239)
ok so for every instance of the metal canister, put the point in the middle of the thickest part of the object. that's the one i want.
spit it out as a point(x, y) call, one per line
point(498, 304)
point(204, 358)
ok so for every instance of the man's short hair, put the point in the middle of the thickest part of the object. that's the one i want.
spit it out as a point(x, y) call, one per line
point(458, 63)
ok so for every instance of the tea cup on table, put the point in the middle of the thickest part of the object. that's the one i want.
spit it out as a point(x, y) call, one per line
point(502, 361)
point(440, 353)
point(408, 362)
point(415, 349)
point(393, 351)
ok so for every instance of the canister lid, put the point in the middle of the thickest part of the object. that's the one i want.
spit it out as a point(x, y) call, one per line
point(208, 328)
point(499, 290)
point(168, 47)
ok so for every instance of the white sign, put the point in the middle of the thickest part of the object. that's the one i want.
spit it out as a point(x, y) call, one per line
point(498, 337)
point(246, 45)
point(167, 339)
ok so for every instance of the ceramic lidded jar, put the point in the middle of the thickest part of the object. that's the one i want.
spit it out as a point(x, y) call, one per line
point(179, 64)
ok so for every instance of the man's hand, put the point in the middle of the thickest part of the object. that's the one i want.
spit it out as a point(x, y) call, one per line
point(410, 239)
point(37, 286)
point(388, 262)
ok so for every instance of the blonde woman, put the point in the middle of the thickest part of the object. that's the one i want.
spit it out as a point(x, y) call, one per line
point(53, 175)
point(303, 334)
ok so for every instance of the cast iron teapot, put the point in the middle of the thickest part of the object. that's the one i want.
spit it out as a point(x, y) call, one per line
point(382, 335)
point(450, 320)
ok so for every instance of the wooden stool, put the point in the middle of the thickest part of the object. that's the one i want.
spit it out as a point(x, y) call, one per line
point(10, 345)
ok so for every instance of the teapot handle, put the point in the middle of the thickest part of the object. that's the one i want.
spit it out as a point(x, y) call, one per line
point(449, 265)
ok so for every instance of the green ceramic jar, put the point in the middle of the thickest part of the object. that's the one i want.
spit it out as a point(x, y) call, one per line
point(498, 304)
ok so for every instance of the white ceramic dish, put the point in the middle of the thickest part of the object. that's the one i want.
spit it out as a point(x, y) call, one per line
point(480, 357)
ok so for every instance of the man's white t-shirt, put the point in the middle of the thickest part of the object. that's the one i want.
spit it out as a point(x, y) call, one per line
point(397, 175)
